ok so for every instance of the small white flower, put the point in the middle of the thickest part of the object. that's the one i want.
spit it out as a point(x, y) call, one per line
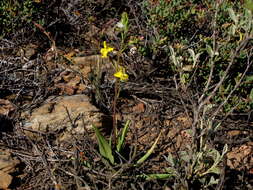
point(216, 53)
point(120, 25)
point(133, 50)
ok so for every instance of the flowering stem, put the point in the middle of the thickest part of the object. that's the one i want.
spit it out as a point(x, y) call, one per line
point(116, 91)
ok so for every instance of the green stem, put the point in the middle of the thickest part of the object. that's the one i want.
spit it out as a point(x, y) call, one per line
point(116, 91)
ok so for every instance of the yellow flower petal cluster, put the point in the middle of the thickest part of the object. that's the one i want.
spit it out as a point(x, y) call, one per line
point(121, 74)
point(120, 71)
point(105, 50)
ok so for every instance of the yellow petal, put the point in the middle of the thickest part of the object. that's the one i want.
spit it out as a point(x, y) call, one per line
point(121, 75)
point(124, 77)
point(105, 44)
point(105, 50)
point(118, 74)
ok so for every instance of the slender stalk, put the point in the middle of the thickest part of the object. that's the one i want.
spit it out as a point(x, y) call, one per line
point(214, 49)
point(116, 93)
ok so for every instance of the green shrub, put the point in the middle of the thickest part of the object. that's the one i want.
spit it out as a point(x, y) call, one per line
point(15, 14)
point(205, 27)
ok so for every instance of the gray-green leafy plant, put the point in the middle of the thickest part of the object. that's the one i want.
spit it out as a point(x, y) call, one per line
point(213, 42)
point(206, 65)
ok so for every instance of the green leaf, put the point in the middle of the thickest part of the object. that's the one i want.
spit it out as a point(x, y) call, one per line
point(185, 156)
point(170, 160)
point(215, 170)
point(192, 53)
point(213, 181)
point(121, 138)
point(249, 5)
point(124, 21)
point(233, 16)
point(173, 56)
point(215, 156)
point(104, 147)
point(87, 164)
point(251, 95)
point(249, 78)
point(172, 171)
point(209, 50)
point(149, 152)
point(233, 29)
point(225, 150)
point(155, 176)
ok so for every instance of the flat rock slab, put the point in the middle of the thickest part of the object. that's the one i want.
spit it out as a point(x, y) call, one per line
point(70, 114)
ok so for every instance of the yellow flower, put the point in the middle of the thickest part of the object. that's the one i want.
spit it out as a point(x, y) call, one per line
point(121, 74)
point(105, 50)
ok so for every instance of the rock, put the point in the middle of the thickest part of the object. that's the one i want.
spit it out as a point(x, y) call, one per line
point(139, 108)
point(73, 80)
point(87, 63)
point(65, 89)
point(65, 113)
point(7, 165)
point(6, 107)
point(5, 180)
point(240, 157)
point(28, 51)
